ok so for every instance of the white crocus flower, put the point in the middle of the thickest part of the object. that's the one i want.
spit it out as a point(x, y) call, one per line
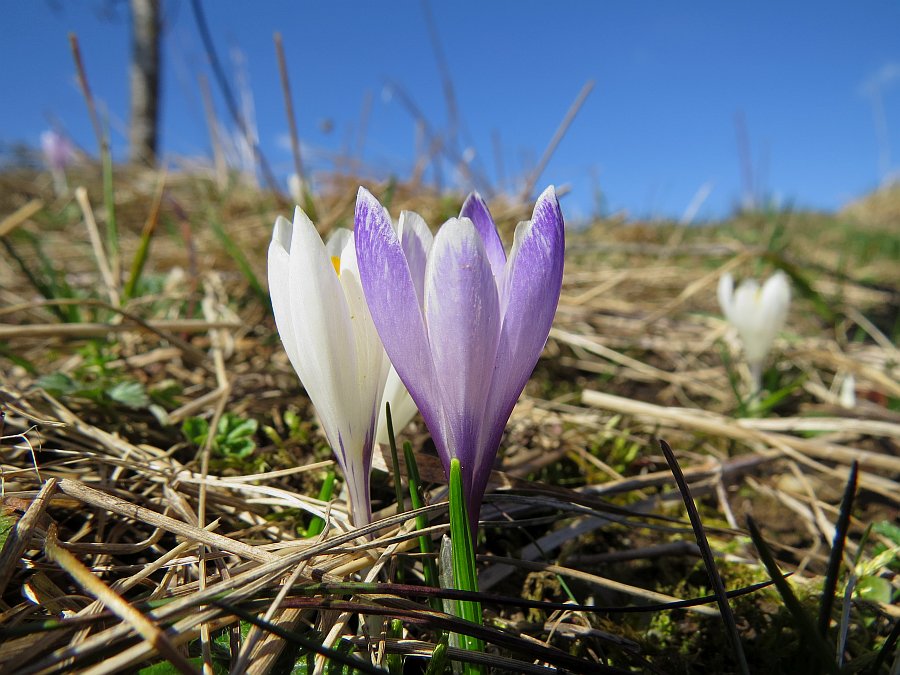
point(847, 397)
point(758, 313)
point(328, 334)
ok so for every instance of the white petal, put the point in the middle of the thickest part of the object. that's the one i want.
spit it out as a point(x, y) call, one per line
point(403, 408)
point(416, 241)
point(337, 241)
point(775, 299)
point(725, 293)
point(371, 361)
point(323, 333)
point(279, 286)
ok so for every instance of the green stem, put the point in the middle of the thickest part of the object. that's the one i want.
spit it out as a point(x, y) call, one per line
point(317, 524)
point(465, 575)
point(425, 545)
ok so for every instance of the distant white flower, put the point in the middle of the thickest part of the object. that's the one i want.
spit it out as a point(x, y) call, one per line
point(758, 314)
point(848, 392)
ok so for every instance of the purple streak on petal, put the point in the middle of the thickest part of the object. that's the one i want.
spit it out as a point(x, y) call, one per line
point(534, 281)
point(358, 487)
point(476, 210)
point(462, 315)
point(391, 296)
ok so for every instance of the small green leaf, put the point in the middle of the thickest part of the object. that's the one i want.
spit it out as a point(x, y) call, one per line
point(889, 530)
point(57, 384)
point(130, 394)
point(195, 429)
point(875, 589)
point(881, 560)
point(7, 523)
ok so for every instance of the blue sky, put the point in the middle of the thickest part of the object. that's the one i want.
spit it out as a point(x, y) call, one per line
point(816, 83)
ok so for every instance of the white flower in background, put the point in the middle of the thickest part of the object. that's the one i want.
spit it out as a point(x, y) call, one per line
point(328, 334)
point(758, 314)
point(847, 397)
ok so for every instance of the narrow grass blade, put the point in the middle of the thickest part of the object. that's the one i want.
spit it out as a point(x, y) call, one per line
point(706, 553)
point(805, 288)
point(818, 648)
point(140, 256)
point(829, 586)
point(465, 575)
point(886, 649)
point(438, 663)
point(54, 288)
point(243, 264)
point(109, 201)
point(393, 660)
point(395, 460)
point(301, 640)
point(317, 524)
point(425, 545)
point(407, 591)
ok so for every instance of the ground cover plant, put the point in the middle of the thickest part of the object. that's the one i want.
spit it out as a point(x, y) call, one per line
point(170, 500)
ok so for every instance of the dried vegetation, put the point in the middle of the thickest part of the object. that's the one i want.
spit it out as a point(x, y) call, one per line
point(134, 534)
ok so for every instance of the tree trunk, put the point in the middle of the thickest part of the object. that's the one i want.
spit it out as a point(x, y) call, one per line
point(145, 37)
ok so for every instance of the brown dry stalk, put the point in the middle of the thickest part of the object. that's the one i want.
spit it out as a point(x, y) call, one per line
point(115, 504)
point(719, 425)
point(19, 216)
point(115, 602)
point(19, 539)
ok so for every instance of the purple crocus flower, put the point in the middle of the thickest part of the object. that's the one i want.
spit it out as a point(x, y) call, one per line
point(57, 149)
point(58, 153)
point(463, 324)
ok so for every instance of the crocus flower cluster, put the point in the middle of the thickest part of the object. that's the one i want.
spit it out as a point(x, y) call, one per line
point(758, 314)
point(328, 334)
point(463, 324)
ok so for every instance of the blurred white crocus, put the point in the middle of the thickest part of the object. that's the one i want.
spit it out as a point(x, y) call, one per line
point(847, 397)
point(58, 154)
point(758, 313)
point(329, 337)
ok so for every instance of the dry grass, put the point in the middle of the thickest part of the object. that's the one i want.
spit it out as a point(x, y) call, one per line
point(127, 544)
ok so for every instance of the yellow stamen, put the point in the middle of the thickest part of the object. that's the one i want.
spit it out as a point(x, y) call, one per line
point(336, 261)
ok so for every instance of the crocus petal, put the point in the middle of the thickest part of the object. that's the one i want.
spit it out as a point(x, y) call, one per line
point(393, 304)
point(533, 282)
point(326, 346)
point(322, 330)
point(476, 210)
point(403, 408)
point(725, 292)
point(416, 240)
point(775, 299)
point(462, 314)
point(337, 242)
point(743, 305)
point(279, 286)
point(372, 365)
